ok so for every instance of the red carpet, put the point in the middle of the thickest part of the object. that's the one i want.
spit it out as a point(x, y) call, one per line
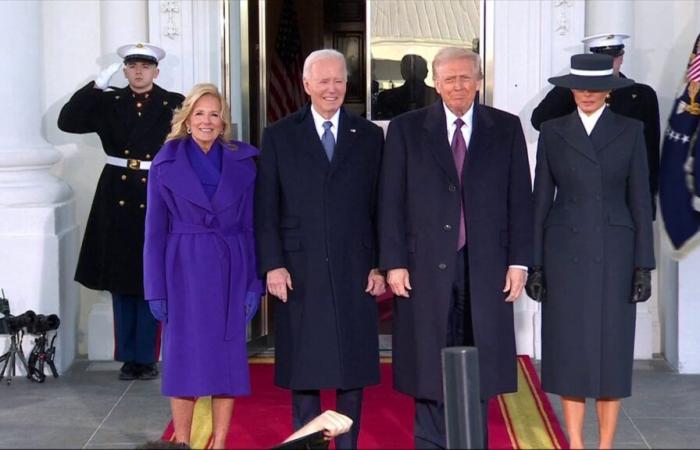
point(521, 420)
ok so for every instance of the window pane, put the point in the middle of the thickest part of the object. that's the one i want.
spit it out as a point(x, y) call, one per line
point(404, 36)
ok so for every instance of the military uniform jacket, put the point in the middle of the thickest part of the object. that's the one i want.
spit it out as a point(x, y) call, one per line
point(637, 102)
point(589, 238)
point(111, 256)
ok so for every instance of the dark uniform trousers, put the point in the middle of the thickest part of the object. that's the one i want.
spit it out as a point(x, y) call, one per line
point(429, 428)
point(307, 404)
point(136, 331)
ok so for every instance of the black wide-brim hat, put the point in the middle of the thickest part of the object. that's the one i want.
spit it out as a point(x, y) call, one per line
point(591, 72)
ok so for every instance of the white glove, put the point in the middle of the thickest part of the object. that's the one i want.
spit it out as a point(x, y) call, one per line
point(102, 80)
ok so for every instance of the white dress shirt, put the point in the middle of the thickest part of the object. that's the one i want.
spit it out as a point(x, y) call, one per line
point(466, 128)
point(589, 121)
point(319, 120)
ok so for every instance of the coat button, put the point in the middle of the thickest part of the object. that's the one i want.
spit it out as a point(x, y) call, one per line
point(574, 229)
point(126, 152)
point(142, 206)
point(597, 259)
point(452, 188)
point(122, 203)
point(442, 266)
point(148, 156)
point(597, 197)
point(123, 177)
point(143, 180)
point(574, 259)
point(447, 227)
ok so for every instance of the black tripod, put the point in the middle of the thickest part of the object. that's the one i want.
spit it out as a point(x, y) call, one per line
point(41, 355)
point(9, 358)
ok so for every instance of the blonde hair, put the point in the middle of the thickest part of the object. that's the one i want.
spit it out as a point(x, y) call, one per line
point(451, 53)
point(180, 116)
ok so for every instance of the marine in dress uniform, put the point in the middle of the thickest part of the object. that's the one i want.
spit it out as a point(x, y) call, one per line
point(637, 101)
point(132, 123)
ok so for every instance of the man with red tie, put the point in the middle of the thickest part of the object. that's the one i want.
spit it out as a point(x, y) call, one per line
point(455, 236)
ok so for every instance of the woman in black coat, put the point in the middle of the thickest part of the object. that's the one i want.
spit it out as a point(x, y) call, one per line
point(593, 247)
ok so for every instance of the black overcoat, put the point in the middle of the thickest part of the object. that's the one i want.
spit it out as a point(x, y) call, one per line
point(419, 207)
point(317, 219)
point(111, 256)
point(589, 238)
point(637, 102)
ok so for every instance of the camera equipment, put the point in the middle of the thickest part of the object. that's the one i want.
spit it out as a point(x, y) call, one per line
point(40, 354)
point(14, 326)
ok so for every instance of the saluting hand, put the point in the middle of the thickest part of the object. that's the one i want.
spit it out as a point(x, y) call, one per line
point(102, 80)
point(399, 282)
point(278, 281)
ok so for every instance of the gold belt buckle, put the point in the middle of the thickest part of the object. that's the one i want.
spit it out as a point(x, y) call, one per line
point(133, 164)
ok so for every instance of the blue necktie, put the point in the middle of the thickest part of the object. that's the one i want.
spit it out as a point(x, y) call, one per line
point(328, 140)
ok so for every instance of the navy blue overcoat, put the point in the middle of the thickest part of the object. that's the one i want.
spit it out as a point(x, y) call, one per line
point(419, 207)
point(589, 238)
point(317, 219)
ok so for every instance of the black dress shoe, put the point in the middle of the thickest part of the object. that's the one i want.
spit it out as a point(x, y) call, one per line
point(129, 371)
point(148, 371)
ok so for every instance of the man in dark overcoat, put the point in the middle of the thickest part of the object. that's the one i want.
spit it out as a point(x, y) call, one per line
point(637, 101)
point(132, 123)
point(455, 235)
point(316, 245)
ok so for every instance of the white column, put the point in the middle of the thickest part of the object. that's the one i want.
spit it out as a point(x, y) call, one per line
point(617, 16)
point(519, 71)
point(38, 235)
point(121, 22)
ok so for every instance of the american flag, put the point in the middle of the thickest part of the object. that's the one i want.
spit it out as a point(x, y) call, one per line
point(679, 173)
point(693, 73)
point(286, 93)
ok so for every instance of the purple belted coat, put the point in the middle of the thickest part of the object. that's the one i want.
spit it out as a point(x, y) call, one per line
point(199, 256)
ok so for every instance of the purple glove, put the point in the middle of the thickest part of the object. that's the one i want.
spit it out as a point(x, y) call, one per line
point(159, 309)
point(252, 303)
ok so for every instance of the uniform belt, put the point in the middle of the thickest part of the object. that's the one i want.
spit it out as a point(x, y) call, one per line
point(133, 164)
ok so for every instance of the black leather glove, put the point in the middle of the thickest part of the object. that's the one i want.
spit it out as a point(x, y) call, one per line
point(535, 286)
point(641, 285)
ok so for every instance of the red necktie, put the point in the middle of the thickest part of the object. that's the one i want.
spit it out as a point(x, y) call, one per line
point(459, 152)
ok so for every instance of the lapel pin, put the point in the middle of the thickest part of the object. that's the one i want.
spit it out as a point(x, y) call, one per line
point(352, 130)
point(116, 97)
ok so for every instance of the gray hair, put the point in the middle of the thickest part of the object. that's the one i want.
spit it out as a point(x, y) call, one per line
point(318, 55)
point(451, 53)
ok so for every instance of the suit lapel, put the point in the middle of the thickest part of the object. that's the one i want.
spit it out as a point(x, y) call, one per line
point(575, 135)
point(481, 138)
point(235, 178)
point(435, 139)
point(308, 139)
point(605, 130)
point(180, 178)
point(347, 134)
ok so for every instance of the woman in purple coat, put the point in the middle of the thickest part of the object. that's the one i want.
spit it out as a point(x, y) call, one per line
point(199, 267)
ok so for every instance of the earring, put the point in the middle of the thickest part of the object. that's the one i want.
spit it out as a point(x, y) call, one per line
point(189, 130)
